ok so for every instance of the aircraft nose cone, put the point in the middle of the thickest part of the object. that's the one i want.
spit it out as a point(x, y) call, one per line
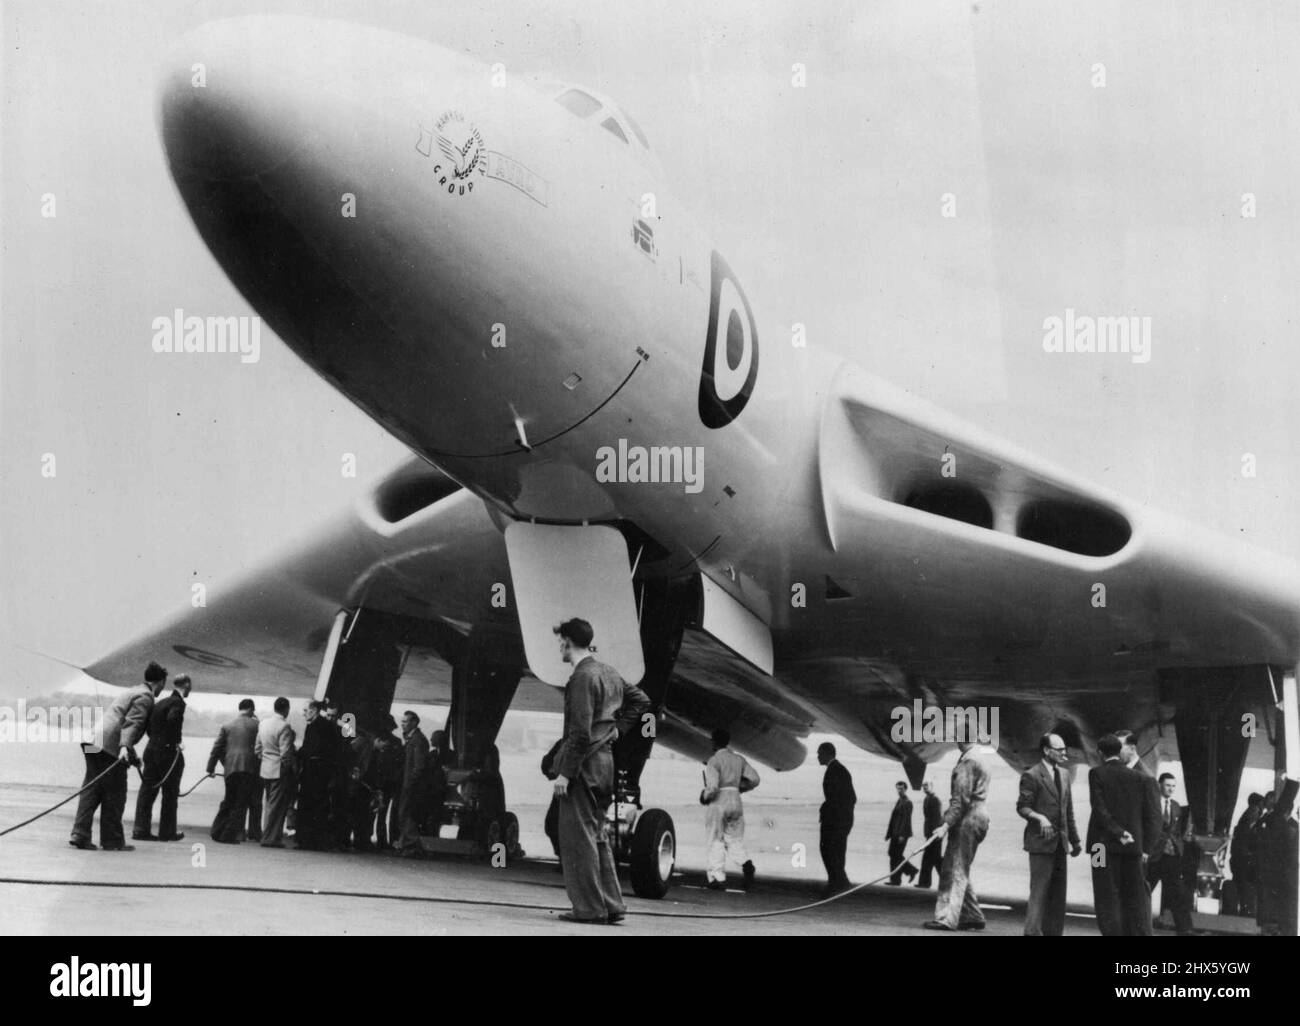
point(219, 95)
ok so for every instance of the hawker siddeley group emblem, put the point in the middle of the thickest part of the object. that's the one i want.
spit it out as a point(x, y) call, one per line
point(457, 149)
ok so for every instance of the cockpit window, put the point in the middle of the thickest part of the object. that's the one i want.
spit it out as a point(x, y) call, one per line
point(640, 135)
point(609, 124)
point(578, 102)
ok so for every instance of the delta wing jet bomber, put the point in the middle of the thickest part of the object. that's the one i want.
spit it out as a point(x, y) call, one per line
point(605, 424)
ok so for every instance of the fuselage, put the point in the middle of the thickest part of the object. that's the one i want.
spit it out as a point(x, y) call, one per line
point(504, 282)
point(501, 277)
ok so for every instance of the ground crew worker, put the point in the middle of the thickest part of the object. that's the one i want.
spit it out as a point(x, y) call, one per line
point(598, 706)
point(957, 907)
point(163, 765)
point(114, 747)
point(727, 775)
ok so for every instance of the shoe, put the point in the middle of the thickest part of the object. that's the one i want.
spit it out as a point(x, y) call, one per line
point(120, 847)
point(617, 918)
point(934, 924)
point(83, 845)
point(272, 844)
point(569, 917)
point(225, 840)
point(173, 837)
point(894, 883)
point(749, 871)
point(716, 885)
point(970, 926)
point(923, 886)
point(251, 837)
point(145, 837)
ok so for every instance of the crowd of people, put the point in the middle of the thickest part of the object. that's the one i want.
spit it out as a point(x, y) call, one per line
point(341, 787)
point(344, 787)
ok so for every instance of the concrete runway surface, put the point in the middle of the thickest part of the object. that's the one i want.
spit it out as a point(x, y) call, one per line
point(178, 888)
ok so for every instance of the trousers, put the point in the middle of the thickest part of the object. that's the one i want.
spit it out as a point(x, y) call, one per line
point(834, 846)
point(957, 903)
point(155, 778)
point(1121, 896)
point(1045, 915)
point(280, 793)
point(590, 876)
point(228, 826)
point(931, 861)
point(1174, 894)
point(108, 796)
point(724, 822)
point(897, 849)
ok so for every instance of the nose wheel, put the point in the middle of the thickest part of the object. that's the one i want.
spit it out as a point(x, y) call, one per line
point(652, 853)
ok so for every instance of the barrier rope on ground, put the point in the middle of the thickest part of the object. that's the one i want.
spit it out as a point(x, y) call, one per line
point(87, 786)
point(477, 902)
point(83, 788)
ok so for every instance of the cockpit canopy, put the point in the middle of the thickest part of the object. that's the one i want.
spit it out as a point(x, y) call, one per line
point(585, 104)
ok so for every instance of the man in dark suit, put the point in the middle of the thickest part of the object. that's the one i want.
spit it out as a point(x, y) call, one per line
point(1047, 806)
point(1166, 864)
point(415, 786)
point(1243, 862)
point(1151, 798)
point(897, 834)
point(163, 765)
point(1119, 840)
point(317, 760)
point(234, 748)
point(836, 818)
point(931, 817)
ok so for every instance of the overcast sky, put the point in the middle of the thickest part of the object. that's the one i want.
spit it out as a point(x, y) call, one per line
point(1115, 198)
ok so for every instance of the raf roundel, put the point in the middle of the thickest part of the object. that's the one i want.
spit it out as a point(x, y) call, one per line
point(730, 349)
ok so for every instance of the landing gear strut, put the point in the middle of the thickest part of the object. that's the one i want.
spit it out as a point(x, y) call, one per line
point(645, 839)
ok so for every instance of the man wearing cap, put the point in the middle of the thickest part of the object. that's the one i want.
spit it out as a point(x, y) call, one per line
point(598, 706)
point(163, 765)
point(124, 725)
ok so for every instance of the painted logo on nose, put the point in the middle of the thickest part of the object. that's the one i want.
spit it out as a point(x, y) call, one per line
point(730, 349)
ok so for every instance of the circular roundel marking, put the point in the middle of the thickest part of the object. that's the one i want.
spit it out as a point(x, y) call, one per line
point(202, 655)
point(730, 349)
